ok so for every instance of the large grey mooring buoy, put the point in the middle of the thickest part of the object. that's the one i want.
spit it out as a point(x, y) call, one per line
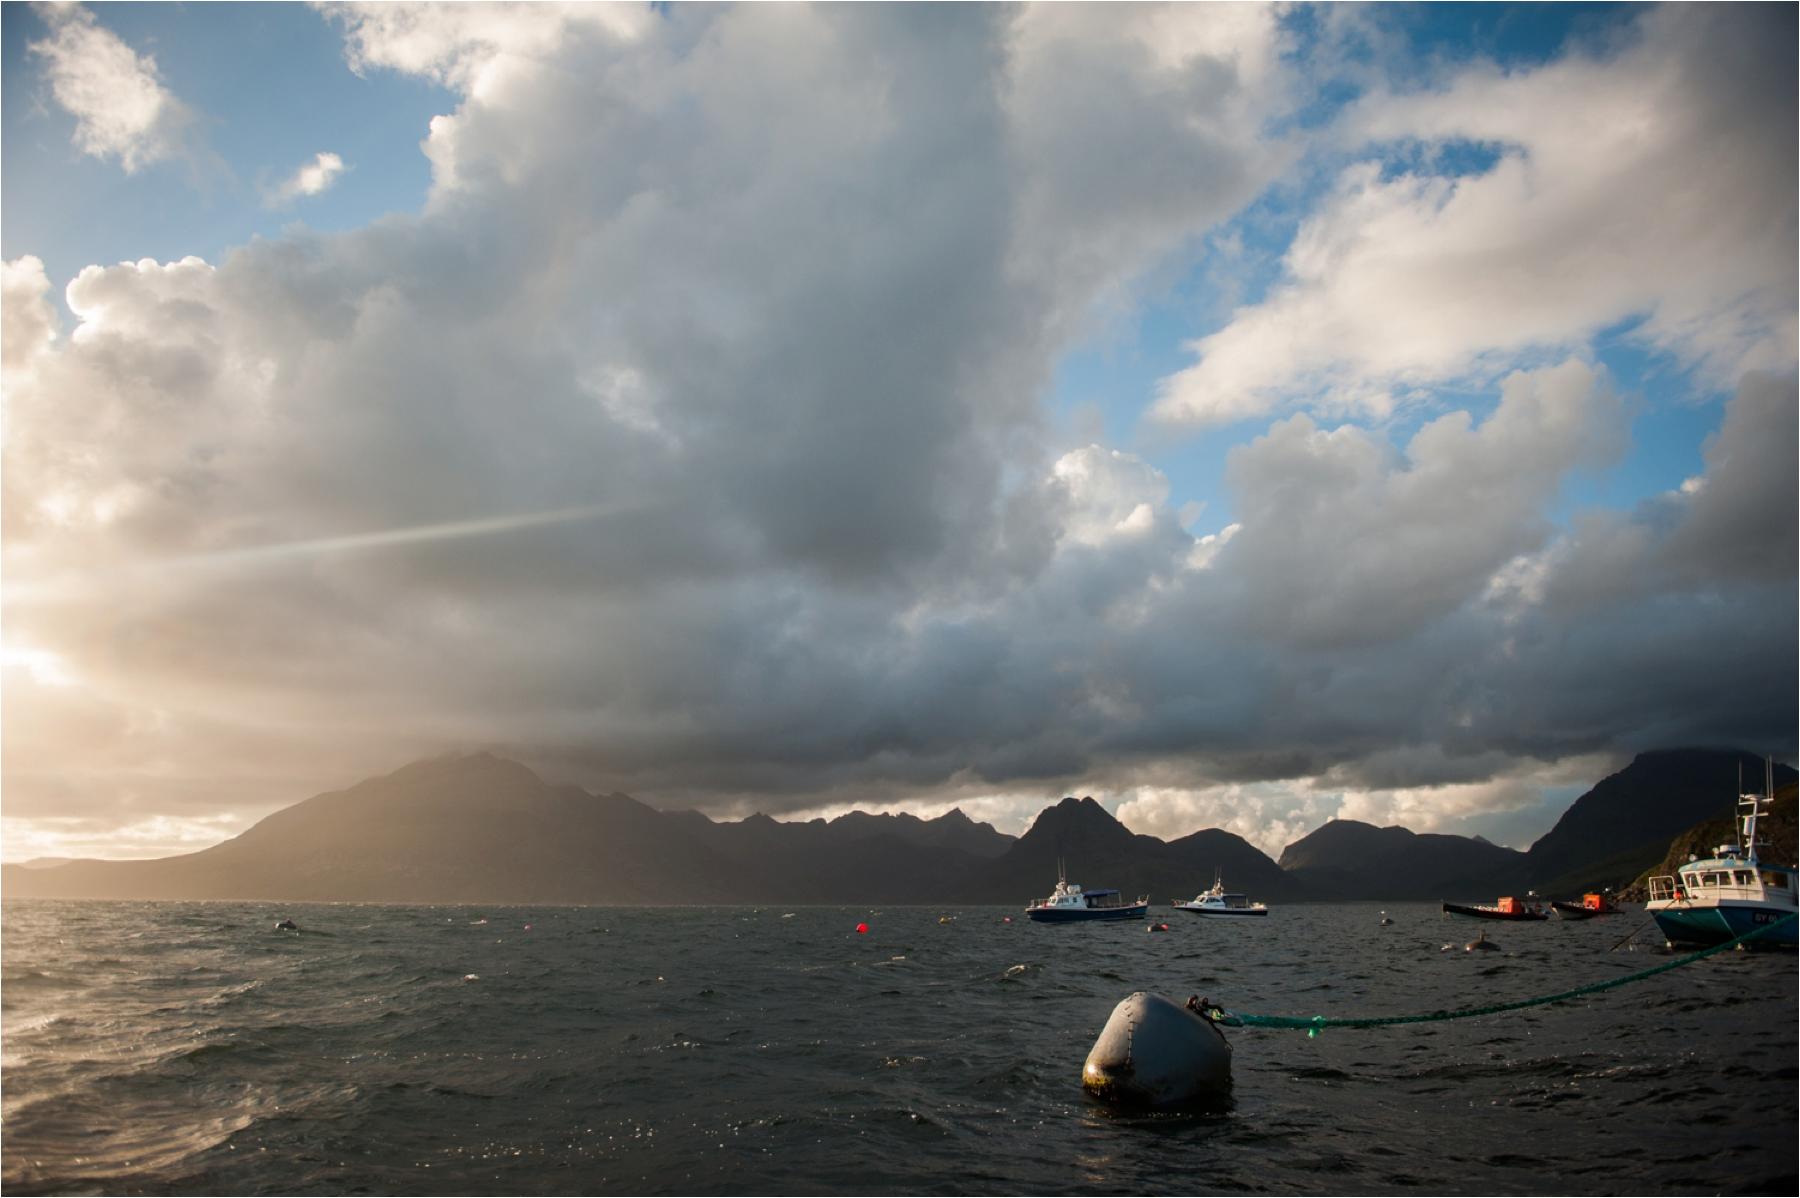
point(1153, 1052)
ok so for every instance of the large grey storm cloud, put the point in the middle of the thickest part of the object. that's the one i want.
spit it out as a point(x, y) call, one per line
point(709, 386)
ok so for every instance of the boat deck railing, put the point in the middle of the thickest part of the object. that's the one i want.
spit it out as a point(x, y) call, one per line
point(1662, 889)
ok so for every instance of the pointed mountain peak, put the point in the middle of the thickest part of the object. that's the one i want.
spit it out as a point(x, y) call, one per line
point(1081, 817)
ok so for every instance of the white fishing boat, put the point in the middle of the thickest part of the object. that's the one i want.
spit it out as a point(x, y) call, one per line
point(1069, 903)
point(1220, 901)
point(1734, 891)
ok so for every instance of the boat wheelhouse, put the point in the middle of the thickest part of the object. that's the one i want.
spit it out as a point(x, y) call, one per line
point(1732, 892)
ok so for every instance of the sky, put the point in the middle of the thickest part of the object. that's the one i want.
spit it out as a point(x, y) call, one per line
point(1247, 415)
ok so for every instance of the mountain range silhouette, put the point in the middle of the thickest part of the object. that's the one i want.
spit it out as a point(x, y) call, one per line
point(484, 829)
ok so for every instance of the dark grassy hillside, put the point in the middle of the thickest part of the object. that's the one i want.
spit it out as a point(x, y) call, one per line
point(1776, 828)
point(1623, 825)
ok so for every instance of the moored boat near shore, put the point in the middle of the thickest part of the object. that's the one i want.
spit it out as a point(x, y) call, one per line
point(1731, 893)
point(1510, 907)
point(1589, 906)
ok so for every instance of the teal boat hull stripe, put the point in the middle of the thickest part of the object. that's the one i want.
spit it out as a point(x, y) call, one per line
point(1715, 924)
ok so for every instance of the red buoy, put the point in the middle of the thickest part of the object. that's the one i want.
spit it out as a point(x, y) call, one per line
point(862, 929)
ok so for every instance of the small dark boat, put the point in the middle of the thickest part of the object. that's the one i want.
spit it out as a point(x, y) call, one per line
point(1589, 906)
point(1506, 908)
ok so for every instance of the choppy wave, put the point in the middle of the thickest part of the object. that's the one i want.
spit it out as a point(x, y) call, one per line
point(185, 1048)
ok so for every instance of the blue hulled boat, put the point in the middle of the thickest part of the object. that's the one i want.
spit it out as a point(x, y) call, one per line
point(1729, 893)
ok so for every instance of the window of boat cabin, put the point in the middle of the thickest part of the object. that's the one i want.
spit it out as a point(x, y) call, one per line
point(1745, 877)
point(1775, 877)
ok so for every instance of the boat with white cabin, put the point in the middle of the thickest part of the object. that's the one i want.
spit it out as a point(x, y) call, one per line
point(1220, 901)
point(1070, 903)
point(1721, 897)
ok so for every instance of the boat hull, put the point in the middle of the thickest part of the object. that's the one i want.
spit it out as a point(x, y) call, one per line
point(1576, 911)
point(1087, 915)
point(1526, 916)
point(1227, 912)
point(1690, 923)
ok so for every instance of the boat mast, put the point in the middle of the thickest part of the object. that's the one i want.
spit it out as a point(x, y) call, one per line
point(1750, 806)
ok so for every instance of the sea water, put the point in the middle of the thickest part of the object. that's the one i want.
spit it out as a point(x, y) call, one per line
point(193, 1048)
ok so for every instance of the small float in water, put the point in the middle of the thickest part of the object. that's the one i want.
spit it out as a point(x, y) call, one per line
point(1156, 1052)
point(1481, 944)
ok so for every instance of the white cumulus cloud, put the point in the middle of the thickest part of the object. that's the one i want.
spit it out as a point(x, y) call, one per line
point(121, 107)
point(314, 177)
point(1652, 182)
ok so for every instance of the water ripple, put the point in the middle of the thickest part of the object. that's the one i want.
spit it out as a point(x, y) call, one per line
point(185, 1048)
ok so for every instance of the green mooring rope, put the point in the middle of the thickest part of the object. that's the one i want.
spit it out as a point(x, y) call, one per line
point(1319, 1023)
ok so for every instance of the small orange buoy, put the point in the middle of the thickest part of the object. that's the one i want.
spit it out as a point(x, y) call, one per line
point(862, 929)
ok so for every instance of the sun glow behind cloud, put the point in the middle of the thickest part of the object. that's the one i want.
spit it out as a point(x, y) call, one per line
point(156, 836)
point(44, 666)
